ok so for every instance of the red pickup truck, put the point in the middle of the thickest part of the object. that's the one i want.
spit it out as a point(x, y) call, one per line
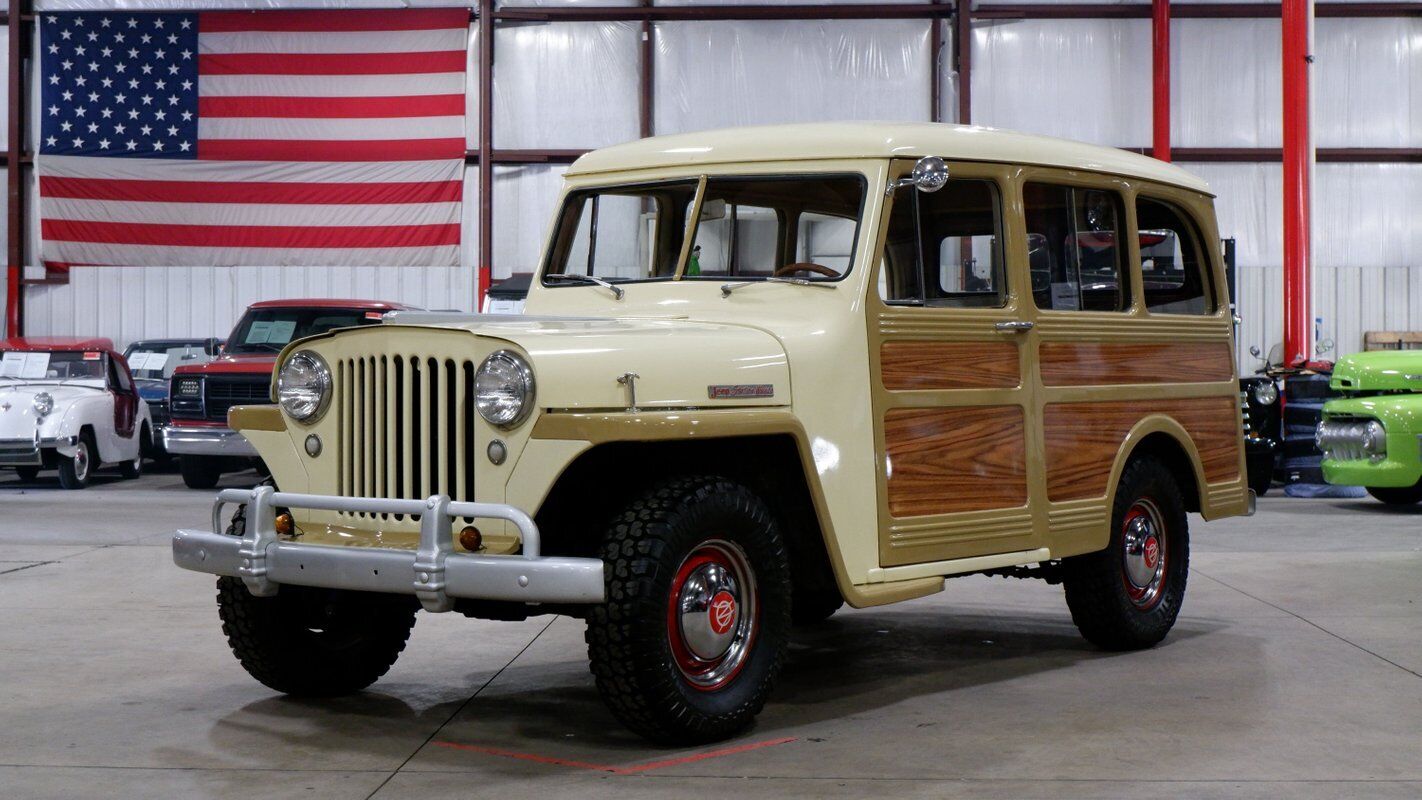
point(201, 394)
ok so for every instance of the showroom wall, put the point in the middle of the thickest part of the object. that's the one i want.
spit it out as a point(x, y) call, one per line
point(574, 85)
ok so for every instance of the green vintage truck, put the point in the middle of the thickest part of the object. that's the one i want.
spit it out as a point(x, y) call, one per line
point(1372, 435)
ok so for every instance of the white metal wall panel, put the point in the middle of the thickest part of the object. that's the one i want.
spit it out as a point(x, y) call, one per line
point(1069, 78)
point(1368, 82)
point(1225, 81)
point(524, 200)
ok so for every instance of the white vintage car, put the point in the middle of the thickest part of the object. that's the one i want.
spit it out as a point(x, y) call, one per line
point(69, 404)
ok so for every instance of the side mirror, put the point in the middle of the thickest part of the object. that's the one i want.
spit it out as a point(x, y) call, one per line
point(1325, 347)
point(1254, 350)
point(929, 175)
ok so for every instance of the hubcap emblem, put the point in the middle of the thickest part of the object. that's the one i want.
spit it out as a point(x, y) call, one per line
point(1152, 552)
point(722, 613)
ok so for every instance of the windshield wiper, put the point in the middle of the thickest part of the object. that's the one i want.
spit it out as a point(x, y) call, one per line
point(727, 288)
point(569, 276)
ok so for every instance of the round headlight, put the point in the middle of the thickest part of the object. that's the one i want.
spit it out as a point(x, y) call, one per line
point(44, 403)
point(503, 389)
point(304, 386)
point(1265, 393)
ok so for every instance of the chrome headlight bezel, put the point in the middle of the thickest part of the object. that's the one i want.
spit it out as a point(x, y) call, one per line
point(504, 374)
point(1265, 393)
point(1374, 439)
point(43, 404)
point(296, 398)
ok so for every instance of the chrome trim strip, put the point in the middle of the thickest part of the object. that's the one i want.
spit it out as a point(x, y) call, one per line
point(192, 441)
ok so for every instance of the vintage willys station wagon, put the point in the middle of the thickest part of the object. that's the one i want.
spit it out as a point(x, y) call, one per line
point(762, 372)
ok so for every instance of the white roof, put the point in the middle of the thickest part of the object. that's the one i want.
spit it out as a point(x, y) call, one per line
point(834, 140)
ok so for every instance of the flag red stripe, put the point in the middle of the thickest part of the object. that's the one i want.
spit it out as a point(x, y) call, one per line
point(326, 21)
point(425, 105)
point(331, 63)
point(329, 236)
point(297, 150)
point(236, 192)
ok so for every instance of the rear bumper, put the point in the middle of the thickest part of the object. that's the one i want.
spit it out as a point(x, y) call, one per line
point(182, 440)
point(434, 572)
point(28, 452)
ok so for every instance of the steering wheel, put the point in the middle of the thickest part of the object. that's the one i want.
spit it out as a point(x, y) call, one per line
point(807, 266)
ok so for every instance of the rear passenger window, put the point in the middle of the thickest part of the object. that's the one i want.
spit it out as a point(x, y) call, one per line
point(944, 249)
point(1172, 270)
point(1073, 248)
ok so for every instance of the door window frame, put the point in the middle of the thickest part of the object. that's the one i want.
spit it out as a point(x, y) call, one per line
point(1206, 260)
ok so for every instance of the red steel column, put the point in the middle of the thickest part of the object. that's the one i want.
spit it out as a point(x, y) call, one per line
point(486, 152)
point(1160, 71)
point(1298, 161)
point(14, 208)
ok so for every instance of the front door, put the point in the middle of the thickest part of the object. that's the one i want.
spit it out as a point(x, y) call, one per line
point(949, 334)
point(125, 398)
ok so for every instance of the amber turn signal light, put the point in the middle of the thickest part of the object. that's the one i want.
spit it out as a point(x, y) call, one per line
point(285, 524)
point(471, 539)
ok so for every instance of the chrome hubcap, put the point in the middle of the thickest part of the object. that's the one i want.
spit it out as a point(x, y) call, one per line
point(81, 461)
point(712, 615)
point(1143, 536)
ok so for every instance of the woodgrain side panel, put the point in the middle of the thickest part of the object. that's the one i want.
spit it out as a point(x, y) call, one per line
point(1083, 439)
point(944, 460)
point(1088, 363)
point(908, 365)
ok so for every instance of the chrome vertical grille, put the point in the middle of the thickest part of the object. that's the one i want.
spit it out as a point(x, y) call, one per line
point(406, 426)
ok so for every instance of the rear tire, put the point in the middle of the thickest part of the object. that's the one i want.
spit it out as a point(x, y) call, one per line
point(1398, 496)
point(200, 472)
point(75, 471)
point(814, 607)
point(1128, 596)
point(313, 642)
point(28, 474)
point(697, 618)
point(134, 469)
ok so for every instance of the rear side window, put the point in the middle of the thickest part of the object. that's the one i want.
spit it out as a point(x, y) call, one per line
point(1172, 267)
point(1073, 248)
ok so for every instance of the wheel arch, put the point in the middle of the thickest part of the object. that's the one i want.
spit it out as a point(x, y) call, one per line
point(1164, 438)
point(775, 464)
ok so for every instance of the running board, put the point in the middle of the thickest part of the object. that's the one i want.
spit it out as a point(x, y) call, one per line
point(959, 566)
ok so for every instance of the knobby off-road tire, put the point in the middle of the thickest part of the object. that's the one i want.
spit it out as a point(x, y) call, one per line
point(76, 472)
point(811, 607)
point(1398, 496)
point(313, 642)
point(697, 619)
point(1127, 596)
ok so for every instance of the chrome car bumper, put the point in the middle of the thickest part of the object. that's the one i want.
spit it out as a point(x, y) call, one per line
point(27, 452)
point(182, 440)
point(434, 572)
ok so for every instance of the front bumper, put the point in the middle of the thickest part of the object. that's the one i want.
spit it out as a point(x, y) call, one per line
point(434, 572)
point(184, 440)
point(28, 452)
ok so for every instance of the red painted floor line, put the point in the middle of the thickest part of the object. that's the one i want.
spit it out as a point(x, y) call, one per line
point(628, 770)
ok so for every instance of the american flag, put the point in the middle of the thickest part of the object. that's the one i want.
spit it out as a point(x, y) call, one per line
point(263, 138)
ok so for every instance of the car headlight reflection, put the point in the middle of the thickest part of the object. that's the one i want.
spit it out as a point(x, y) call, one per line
point(503, 389)
point(1266, 393)
point(43, 404)
point(304, 386)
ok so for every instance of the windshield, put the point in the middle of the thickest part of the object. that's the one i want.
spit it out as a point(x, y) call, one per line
point(747, 228)
point(157, 362)
point(52, 365)
point(268, 330)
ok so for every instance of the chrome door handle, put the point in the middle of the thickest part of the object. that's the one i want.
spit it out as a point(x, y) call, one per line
point(1014, 326)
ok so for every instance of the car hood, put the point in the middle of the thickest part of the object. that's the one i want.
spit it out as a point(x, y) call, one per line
point(152, 389)
point(241, 364)
point(1379, 371)
point(18, 420)
point(677, 363)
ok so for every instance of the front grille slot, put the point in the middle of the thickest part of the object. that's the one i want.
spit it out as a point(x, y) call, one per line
point(406, 427)
point(222, 392)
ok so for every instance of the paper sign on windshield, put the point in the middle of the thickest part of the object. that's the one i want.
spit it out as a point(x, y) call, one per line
point(26, 366)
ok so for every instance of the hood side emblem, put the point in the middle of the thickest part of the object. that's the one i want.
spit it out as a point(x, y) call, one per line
point(731, 392)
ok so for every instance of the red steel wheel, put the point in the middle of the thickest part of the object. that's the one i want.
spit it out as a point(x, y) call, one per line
point(712, 614)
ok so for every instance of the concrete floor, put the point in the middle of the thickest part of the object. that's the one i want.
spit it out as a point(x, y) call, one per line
point(1294, 672)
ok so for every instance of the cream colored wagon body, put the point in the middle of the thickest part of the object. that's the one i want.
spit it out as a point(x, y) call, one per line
point(892, 439)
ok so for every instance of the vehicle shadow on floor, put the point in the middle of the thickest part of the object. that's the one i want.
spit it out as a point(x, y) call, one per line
point(852, 664)
point(1378, 508)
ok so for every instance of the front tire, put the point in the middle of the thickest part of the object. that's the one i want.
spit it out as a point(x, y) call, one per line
point(75, 471)
point(1128, 596)
point(697, 618)
point(200, 472)
point(1398, 496)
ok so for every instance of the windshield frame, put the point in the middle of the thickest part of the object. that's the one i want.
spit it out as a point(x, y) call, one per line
point(840, 170)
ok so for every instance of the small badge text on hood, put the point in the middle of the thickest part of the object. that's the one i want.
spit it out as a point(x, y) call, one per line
point(740, 390)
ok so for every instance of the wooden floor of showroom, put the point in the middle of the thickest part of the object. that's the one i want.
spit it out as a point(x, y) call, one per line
point(1295, 672)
